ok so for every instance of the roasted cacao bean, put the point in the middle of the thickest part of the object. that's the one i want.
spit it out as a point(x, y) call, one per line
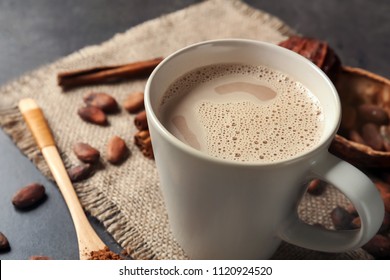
point(29, 196)
point(148, 152)
point(80, 172)
point(134, 102)
point(4, 244)
point(140, 121)
point(140, 137)
point(93, 115)
point(117, 150)
point(348, 119)
point(144, 143)
point(369, 113)
point(86, 153)
point(372, 137)
point(103, 101)
point(356, 137)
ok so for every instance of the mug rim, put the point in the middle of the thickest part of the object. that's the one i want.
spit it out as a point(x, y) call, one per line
point(320, 146)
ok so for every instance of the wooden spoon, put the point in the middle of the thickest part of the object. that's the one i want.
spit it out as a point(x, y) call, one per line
point(87, 238)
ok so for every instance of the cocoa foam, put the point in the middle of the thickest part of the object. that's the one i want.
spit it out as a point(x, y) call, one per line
point(242, 113)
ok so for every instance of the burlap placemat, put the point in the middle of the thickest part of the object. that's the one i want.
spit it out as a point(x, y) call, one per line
point(126, 198)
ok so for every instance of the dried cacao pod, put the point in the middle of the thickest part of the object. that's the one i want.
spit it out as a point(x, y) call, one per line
point(368, 93)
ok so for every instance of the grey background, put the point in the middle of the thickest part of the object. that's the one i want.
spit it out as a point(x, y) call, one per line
point(33, 33)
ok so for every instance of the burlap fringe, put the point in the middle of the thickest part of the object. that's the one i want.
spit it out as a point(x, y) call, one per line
point(114, 221)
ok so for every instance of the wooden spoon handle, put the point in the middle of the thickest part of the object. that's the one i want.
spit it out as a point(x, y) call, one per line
point(87, 238)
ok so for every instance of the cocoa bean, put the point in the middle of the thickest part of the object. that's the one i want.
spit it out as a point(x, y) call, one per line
point(348, 119)
point(39, 258)
point(80, 172)
point(384, 130)
point(148, 152)
point(4, 244)
point(103, 101)
point(140, 137)
point(134, 102)
point(341, 218)
point(140, 121)
point(29, 196)
point(378, 246)
point(372, 113)
point(117, 150)
point(144, 143)
point(356, 137)
point(372, 137)
point(86, 153)
point(93, 115)
point(316, 187)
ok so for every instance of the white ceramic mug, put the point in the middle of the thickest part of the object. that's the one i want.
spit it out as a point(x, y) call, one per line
point(221, 209)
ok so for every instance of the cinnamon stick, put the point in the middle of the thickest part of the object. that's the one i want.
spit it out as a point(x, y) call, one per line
point(106, 74)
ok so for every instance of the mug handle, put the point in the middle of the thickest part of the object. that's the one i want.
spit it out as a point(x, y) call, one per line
point(359, 189)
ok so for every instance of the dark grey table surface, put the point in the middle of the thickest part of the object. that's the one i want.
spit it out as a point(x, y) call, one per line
point(33, 33)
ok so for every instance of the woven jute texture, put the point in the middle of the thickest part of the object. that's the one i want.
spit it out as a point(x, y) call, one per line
point(126, 198)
